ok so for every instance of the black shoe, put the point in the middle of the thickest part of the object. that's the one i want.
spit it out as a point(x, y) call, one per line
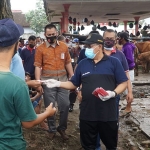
point(71, 107)
point(63, 134)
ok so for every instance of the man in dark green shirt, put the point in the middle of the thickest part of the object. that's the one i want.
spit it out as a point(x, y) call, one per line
point(16, 108)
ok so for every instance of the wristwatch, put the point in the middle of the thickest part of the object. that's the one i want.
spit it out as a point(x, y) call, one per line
point(115, 93)
point(79, 89)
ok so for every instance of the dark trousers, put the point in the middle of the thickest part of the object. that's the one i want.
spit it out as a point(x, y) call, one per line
point(89, 131)
point(72, 97)
point(117, 102)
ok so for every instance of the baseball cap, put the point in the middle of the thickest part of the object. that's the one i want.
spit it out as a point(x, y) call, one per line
point(94, 38)
point(76, 40)
point(9, 32)
point(20, 39)
point(124, 35)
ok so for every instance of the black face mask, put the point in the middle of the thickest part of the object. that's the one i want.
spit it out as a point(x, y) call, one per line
point(109, 43)
point(51, 39)
point(31, 45)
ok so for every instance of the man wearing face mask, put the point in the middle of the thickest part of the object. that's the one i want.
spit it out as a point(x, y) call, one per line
point(38, 41)
point(98, 114)
point(52, 61)
point(128, 50)
point(75, 50)
point(110, 36)
point(27, 56)
point(109, 43)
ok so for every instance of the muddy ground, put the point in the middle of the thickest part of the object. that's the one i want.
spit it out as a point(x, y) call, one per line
point(131, 136)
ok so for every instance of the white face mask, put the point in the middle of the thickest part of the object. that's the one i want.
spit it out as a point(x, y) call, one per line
point(81, 46)
point(74, 45)
point(69, 44)
point(38, 43)
point(108, 49)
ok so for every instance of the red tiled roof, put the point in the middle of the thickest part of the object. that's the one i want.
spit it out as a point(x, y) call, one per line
point(20, 18)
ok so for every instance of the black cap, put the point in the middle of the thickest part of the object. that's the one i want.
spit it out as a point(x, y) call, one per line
point(124, 35)
point(93, 39)
point(20, 39)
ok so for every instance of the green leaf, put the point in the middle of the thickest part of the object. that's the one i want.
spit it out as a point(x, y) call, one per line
point(37, 18)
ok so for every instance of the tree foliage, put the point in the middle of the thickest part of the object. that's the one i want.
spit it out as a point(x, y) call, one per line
point(37, 18)
point(5, 9)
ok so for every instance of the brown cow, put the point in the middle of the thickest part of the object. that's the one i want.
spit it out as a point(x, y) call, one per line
point(142, 47)
point(145, 60)
point(136, 53)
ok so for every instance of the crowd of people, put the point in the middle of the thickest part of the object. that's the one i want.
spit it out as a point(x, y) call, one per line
point(57, 71)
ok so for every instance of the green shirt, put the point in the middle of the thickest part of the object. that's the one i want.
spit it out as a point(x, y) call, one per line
point(15, 107)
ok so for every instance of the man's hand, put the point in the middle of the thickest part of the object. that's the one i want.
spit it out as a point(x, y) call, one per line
point(34, 83)
point(40, 89)
point(111, 94)
point(51, 83)
point(79, 96)
point(129, 97)
point(50, 110)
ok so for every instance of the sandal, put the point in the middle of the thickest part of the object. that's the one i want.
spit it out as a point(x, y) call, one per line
point(124, 113)
point(44, 129)
point(122, 108)
point(43, 126)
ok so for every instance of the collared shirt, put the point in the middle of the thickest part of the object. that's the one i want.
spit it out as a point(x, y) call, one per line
point(119, 54)
point(107, 73)
point(53, 45)
point(81, 55)
point(27, 56)
point(52, 59)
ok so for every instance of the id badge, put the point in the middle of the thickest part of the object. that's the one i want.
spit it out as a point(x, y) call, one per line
point(62, 56)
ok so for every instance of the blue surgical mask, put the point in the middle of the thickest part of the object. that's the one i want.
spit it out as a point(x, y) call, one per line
point(89, 52)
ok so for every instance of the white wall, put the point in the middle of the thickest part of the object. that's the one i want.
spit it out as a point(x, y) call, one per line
point(28, 32)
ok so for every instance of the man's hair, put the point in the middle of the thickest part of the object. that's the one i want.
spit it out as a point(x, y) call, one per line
point(110, 30)
point(32, 37)
point(61, 38)
point(38, 37)
point(50, 26)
